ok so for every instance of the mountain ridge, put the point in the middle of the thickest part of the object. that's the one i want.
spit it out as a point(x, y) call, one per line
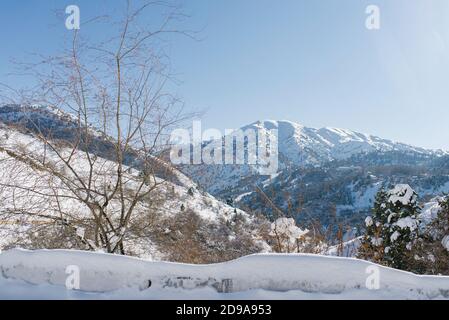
point(328, 143)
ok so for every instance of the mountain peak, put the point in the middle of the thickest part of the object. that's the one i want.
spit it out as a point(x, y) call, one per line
point(305, 145)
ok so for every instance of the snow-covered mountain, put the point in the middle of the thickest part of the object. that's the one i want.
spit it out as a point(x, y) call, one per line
point(299, 147)
point(310, 146)
point(326, 170)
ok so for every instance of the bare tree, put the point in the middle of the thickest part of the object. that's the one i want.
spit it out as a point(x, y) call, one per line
point(120, 114)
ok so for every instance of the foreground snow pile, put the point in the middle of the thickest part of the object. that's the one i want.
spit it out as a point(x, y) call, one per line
point(42, 275)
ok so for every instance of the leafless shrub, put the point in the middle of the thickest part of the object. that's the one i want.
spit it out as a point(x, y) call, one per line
point(190, 239)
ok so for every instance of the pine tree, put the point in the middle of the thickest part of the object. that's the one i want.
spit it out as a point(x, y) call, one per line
point(392, 229)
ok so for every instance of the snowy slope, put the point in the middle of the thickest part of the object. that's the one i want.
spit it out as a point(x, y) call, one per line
point(62, 126)
point(25, 274)
point(22, 144)
point(16, 145)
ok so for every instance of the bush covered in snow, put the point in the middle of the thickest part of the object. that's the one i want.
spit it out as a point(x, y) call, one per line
point(285, 236)
point(433, 250)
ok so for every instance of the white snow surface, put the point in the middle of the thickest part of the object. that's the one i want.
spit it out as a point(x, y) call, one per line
point(430, 211)
point(42, 275)
point(407, 222)
point(369, 221)
point(402, 193)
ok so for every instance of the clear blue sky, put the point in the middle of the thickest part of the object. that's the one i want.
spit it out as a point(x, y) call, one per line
point(309, 61)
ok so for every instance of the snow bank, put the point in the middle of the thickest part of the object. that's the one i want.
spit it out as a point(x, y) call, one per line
point(269, 275)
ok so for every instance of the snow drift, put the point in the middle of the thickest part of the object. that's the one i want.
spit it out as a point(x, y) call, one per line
point(277, 276)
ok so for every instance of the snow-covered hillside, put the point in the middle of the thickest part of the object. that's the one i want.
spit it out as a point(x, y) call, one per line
point(45, 274)
point(24, 187)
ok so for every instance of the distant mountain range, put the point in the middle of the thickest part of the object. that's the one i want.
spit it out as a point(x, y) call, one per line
point(324, 173)
point(303, 146)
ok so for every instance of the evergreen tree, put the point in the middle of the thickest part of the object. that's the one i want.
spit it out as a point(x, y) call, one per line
point(392, 229)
